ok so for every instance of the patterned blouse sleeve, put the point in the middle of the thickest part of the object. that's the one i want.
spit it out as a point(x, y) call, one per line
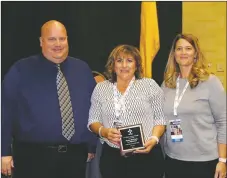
point(157, 102)
point(95, 112)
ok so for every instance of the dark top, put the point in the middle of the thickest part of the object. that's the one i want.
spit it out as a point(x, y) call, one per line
point(30, 106)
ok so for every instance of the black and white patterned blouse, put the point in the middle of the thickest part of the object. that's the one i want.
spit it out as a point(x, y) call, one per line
point(143, 105)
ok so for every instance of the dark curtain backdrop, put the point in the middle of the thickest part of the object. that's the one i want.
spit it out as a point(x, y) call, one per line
point(94, 29)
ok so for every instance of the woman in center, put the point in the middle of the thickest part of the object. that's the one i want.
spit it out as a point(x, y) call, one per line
point(127, 99)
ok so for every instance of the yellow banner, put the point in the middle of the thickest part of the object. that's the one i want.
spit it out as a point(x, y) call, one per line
point(149, 36)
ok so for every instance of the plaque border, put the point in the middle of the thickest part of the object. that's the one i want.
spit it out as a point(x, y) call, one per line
point(142, 135)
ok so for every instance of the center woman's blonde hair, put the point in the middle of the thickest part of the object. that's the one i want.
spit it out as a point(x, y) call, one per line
point(199, 70)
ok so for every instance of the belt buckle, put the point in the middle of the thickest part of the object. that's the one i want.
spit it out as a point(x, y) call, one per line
point(62, 148)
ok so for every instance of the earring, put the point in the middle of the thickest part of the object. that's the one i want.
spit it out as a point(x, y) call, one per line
point(195, 59)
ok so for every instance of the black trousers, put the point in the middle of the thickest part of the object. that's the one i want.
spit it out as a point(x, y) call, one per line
point(113, 165)
point(189, 169)
point(49, 161)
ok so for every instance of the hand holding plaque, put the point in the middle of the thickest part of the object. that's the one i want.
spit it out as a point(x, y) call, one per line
point(132, 139)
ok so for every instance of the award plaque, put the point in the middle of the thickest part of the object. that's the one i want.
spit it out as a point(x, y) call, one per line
point(132, 138)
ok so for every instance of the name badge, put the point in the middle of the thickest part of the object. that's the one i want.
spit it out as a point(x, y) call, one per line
point(117, 123)
point(176, 130)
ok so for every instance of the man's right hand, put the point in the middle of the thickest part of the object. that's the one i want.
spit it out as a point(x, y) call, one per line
point(7, 164)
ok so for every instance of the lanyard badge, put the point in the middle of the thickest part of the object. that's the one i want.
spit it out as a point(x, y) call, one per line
point(119, 103)
point(178, 98)
point(176, 130)
point(175, 125)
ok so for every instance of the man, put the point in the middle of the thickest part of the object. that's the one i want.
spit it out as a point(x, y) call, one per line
point(45, 106)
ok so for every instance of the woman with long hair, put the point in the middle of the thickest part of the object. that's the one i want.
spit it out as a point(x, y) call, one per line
point(195, 102)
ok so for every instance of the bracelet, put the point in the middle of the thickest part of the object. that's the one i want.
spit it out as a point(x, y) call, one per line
point(100, 128)
point(155, 137)
point(223, 160)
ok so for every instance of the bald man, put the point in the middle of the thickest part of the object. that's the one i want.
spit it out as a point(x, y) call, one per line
point(45, 107)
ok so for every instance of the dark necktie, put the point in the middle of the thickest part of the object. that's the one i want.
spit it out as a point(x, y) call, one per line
point(68, 128)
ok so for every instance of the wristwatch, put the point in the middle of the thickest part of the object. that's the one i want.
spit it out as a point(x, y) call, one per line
point(223, 160)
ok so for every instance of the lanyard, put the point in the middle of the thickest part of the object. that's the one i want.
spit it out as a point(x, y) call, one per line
point(119, 102)
point(177, 99)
